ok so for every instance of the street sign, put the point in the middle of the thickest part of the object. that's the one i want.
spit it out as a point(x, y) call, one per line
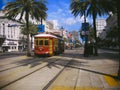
point(83, 38)
point(41, 28)
point(84, 32)
point(85, 26)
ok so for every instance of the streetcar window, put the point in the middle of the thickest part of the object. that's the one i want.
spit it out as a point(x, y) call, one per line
point(46, 42)
point(36, 42)
point(41, 42)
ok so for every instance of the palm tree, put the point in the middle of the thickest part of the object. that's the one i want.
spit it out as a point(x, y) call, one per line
point(113, 35)
point(29, 9)
point(118, 18)
point(116, 5)
point(91, 8)
point(33, 29)
point(78, 7)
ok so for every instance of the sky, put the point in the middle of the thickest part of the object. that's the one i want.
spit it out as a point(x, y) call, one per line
point(59, 12)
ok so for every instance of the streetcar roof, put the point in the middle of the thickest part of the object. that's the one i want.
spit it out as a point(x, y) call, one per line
point(45, 35)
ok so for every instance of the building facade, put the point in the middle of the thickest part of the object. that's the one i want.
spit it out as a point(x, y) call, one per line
point(112, 31)
point(12, 32)
point(100, 26)
point(111, 22)
point(11, 38)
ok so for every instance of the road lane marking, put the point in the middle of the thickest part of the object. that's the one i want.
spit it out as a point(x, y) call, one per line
point(111, 81)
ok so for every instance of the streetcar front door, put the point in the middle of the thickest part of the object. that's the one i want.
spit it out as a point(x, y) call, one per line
point(50, 47)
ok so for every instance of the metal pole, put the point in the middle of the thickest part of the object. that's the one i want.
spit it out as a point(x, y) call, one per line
point(3, 29)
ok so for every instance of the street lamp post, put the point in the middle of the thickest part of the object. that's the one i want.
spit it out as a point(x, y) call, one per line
point(85, 33)
point(3, 29)
point(86, 49)
point(3, 37)
point(62, 31)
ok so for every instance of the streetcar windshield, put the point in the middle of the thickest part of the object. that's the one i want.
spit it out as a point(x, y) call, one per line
point(46, 42)
point(40, 42)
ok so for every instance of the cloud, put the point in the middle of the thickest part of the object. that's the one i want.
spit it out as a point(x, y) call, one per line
point(81, 19)
point(55, 23)
point(73, 20)
point(61, 15)
point(70, 21)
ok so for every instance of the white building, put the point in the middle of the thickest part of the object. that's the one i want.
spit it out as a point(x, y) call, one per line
point(11, 30)
point(14, 40)
point(100, 27)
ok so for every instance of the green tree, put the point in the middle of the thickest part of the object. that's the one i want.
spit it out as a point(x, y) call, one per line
point(27, 9)
point(118, 21)
point(113, 36)
point(91, 8)
point(117, 9)
point(33, 29)
point(91, 34)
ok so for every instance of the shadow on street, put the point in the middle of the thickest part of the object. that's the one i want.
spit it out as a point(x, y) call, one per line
point(75, 64)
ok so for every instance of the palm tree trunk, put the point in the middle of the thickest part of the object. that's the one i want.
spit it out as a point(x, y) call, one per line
point(84, 17)
point(28, 35)
point(86, 41)
point(95, 34)
point(41, 21)
point(31, 41)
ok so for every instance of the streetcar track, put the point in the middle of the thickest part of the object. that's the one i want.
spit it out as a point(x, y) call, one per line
point(26, 75)
point(33, 60)
point(21, 77)
point(46, 60)
point(6, 56)
point(18, 58)
point(76, 79)
point(54, 78)
point(51, 81)
point(14, 66)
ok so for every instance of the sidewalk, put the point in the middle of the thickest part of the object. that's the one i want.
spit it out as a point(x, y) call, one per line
point(94, 73)
point(12, 53)
point(99, 71)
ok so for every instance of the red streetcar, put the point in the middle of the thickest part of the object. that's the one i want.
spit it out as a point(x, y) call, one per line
point(47, 44)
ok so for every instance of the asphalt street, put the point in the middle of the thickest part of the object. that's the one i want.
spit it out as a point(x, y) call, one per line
point(67, 71)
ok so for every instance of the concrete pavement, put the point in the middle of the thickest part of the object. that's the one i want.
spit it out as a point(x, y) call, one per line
point(95, 73)
point(83, 73)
